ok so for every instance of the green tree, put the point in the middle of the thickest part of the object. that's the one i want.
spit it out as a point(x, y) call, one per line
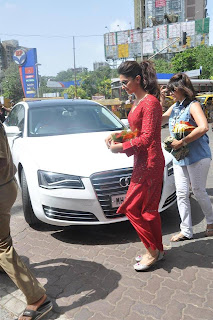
point(184, 61)
point(97, 82)
point(193, 58)
point(11, 84)
point(162, 66)
point(81, 93)
point(65, 75)
point(104, 88)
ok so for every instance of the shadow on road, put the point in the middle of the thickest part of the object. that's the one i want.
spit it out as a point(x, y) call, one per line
point(171, 220)
point(117, 233)
point(195, 253)
point(98, 235)
point(82, 282)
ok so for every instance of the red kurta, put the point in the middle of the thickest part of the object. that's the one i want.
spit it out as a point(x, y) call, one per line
point(143, 196)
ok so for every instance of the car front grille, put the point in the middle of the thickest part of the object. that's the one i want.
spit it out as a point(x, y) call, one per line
point(107, 184)
point(69, 215)
point(170, 199)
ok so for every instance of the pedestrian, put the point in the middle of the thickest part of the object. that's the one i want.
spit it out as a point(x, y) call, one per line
point(193, 169)
point(12, 103)
point(37, 302)
point(3, 112)
point(143, 196)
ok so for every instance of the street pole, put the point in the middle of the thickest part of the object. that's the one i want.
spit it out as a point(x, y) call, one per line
point(74, 66)
point(141, 36)
point(141, 31)
point(37, 80)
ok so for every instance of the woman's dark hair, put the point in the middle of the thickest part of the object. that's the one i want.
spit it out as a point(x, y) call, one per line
point(146, 70)
point(182, 82)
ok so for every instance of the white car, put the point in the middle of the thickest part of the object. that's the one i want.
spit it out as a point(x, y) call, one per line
point(65, 171)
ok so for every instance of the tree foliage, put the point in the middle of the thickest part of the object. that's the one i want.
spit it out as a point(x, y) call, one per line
point(81, 93)
point(11, 84)
point(162, 66)
point(98, 82)
point(193, 58)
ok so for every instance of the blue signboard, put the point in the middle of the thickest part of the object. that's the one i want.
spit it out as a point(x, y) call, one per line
point(27, 59)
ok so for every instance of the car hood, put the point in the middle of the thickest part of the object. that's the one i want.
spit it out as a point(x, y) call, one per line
point(76, 154)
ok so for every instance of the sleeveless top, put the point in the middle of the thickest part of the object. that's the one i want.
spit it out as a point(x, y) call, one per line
point(198, 149)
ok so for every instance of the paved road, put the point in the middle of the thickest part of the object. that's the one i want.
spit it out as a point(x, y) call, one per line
point(88, 272)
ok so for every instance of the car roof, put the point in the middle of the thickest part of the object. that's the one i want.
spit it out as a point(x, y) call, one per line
point(205, 95)
point(60, 102)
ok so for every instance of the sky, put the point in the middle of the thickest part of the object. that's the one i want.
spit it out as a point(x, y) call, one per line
point(50, 25)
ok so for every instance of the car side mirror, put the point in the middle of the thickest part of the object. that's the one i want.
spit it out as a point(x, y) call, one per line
point(12, 131)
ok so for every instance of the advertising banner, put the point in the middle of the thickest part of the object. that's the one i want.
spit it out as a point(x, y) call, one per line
point(27, 59)
point(202, 25)
point(160, 3)
point(127, 44)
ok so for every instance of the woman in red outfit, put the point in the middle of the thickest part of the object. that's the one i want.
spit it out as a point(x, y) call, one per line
point(143, 196)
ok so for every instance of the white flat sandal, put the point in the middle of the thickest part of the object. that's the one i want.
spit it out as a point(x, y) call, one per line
point(143, 267)
point(139, 257)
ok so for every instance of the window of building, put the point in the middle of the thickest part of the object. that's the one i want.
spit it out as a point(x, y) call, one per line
point(190, 12)
point(190, 2)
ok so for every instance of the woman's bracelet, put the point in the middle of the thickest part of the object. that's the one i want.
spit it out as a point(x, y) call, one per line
point(184, 142)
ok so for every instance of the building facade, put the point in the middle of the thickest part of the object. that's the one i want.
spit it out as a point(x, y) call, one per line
point(97, 65)
point(7, 49)
point(149, 13)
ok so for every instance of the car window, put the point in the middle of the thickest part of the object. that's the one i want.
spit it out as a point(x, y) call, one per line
point(70, 119)
point(16, 117)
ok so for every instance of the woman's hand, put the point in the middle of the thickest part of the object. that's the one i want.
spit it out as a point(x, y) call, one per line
point(108, 141)
point(116, 147)
point(163, 92)
point(176, 144)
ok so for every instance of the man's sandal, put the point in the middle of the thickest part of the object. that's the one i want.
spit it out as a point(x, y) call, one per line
point(40, 312)
point(179, 237)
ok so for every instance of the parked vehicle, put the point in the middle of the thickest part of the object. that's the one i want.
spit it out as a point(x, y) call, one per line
point(66, 173)
point(206, 101)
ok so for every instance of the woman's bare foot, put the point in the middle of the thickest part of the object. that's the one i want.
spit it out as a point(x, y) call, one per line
point(149, 257)
point(179, 237)
point(33, 307)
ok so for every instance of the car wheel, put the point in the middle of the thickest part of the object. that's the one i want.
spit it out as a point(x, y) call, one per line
point(29, 215)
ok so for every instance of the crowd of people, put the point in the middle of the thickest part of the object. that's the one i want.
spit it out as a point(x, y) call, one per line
point(142, 199)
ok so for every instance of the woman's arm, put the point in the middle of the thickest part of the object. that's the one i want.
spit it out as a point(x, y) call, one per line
point(7, 109)
point(116, 147)
point(202, 126)
point(166, 115)
point(150, 114)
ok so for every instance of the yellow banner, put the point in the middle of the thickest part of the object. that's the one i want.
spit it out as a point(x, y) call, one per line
point(123, 50)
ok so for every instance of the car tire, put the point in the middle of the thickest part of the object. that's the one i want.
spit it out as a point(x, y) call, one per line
point(29, 215)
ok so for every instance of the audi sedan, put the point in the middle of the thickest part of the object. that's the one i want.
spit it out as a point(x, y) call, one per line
point(66, 173)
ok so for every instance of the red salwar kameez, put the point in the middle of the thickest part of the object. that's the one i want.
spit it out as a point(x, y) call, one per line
point(143, 195)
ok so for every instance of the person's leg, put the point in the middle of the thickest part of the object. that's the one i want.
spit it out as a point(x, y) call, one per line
point(9, 260)
point(182, 184)
point(198, 172)
point(146, 220)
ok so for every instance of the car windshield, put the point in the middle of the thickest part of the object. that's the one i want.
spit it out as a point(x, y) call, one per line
point(201, 99)
point(70, 119)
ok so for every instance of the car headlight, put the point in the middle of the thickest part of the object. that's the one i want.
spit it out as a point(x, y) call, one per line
point(52, 180)
point(170, 168)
